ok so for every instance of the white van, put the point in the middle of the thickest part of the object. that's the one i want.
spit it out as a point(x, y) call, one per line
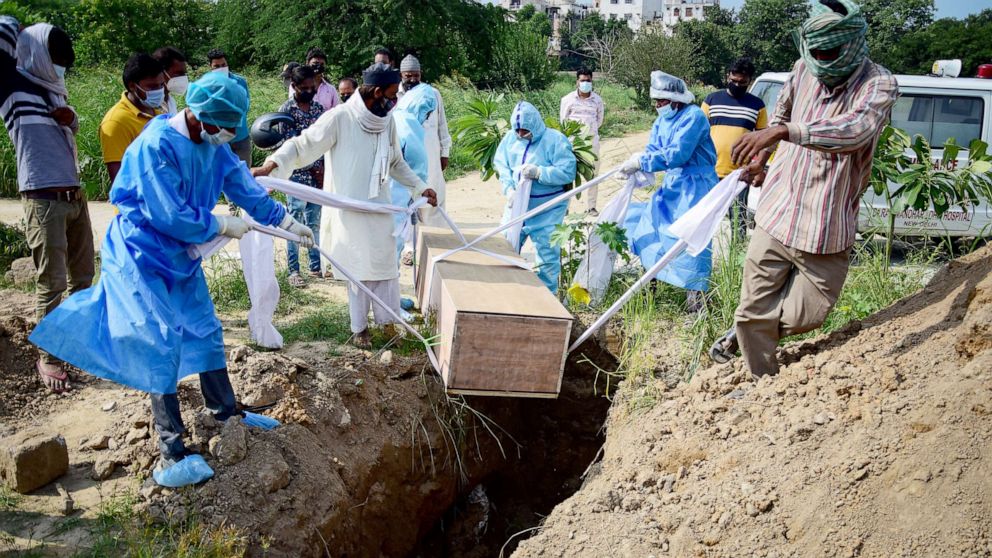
point(938, 108)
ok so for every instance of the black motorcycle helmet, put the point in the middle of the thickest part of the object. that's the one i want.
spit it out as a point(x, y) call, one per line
point(267, 131)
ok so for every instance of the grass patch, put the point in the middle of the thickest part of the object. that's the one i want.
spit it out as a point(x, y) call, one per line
point(8, 499)
point(120, 531)
point(229, 290)
point(330, 321)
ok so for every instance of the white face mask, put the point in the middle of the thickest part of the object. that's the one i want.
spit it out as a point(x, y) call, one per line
point(585, 87)
point(59, 71)
point(178, 85)
point(220, 138)
point(153, 97)
point(225, 71)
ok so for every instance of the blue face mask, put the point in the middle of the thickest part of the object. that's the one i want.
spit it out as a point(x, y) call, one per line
point(153, 97)
point(666, 112)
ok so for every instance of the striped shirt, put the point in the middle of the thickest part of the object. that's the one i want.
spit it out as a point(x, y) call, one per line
point(730, 118)
point(811, 196)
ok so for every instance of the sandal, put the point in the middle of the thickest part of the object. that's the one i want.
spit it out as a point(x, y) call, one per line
point(725, 348)
point(296, 281)
point(362, 339)
point(53, 376)
point(316, 274)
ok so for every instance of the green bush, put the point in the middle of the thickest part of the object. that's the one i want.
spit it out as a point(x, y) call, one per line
point(13, 245)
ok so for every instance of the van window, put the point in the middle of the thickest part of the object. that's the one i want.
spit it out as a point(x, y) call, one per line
point(767, 91)
point(940, 117)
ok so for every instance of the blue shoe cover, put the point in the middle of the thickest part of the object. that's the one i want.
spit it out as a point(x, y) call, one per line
point(259, 421)
point(406, 304)
point(191, 470)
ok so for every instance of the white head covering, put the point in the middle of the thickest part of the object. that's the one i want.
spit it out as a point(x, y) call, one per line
point(35, 62)
point(410, 64)
point(667, 86)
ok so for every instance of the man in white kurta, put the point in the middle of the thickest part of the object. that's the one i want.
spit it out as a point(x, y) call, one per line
point(437, 140)
point(361, 149)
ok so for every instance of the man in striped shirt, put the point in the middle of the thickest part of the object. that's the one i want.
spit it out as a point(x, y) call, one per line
point(734, 112)
point(829, 115)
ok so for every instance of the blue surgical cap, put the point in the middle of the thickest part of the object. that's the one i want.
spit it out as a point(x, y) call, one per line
point(217, 99)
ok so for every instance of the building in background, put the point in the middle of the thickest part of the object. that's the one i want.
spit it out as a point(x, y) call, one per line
point(660, 13)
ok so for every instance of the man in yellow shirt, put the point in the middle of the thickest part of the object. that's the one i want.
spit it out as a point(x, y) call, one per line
point(144, 93)
point(734, 112)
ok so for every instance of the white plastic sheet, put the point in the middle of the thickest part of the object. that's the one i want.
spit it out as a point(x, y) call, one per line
point(521, 197)
point(596, 268)
point(258, 264)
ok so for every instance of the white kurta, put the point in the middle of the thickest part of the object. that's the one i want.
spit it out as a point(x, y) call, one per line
point(364, 243)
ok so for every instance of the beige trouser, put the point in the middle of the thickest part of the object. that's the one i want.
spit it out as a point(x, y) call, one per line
point(359, 303)
point(61, 242)
point(592, 194)
point(785, 292)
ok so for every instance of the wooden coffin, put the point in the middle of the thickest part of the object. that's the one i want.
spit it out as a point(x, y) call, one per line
point(501, 330)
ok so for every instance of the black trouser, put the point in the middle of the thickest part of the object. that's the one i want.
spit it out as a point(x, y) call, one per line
point(738, 215)
point(218, 398)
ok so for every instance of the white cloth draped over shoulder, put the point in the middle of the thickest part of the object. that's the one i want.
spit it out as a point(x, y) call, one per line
point(360, 151)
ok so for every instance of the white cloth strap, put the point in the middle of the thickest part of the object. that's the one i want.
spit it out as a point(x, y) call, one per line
point(518, 206)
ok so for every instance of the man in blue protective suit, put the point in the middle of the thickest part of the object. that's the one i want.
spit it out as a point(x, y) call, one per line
point(149, 321)
point(410, 113)
point(680, 145)
point(532, 151)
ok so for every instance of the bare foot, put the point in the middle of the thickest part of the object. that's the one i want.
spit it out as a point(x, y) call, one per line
point(54, 376)
point(362, 339)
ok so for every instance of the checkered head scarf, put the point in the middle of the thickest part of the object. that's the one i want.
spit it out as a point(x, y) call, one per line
point(830, 27)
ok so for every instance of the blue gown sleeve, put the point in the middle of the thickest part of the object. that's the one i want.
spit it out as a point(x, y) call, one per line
point(504, 167)
point(159, 202)
point(561, 171)
point(240, 187)
point(676, 152)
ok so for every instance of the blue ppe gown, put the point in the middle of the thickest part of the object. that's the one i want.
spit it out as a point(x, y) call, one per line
point(680, 146)
point(409, 115)
point(149, 321)
point(551, 152)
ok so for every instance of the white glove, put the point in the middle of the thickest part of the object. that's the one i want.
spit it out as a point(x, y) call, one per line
point(632, 165)
point(293, 226)
point(511, 194)
point(231, 226)
point(531, 171)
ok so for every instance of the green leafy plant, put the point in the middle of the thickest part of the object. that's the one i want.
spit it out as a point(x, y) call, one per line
point(572, 238)
point(13, 245)
point(481, 129)
point(585, 157)
point(906, 173)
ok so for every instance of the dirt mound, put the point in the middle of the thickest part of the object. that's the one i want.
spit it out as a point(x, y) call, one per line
point(873, 441)
point(18, 381)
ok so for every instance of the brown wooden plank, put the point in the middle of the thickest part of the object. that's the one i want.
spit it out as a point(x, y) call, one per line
point(498, 353)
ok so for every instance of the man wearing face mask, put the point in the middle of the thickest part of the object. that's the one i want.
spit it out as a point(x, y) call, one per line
point(347, 87)
point(150, 322)
point(174, 65)
point(361, 149)
point(681, 146)
point(734, 112)
point(437, 139)
point(327, 97)
point(586, 107)
point(144, 94)
point(305, 110)
point(829, 115)
point(241, 145)
point(531, 150)
point(42, 127)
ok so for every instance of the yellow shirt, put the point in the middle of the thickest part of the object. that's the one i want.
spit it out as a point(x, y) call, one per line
point(119, 127)
point(730, 118)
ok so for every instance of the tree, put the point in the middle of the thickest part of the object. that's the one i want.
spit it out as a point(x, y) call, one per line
point(712, 45)
point(649, 51)
point(969, 39)
point(889, 21)
point(764, 32)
